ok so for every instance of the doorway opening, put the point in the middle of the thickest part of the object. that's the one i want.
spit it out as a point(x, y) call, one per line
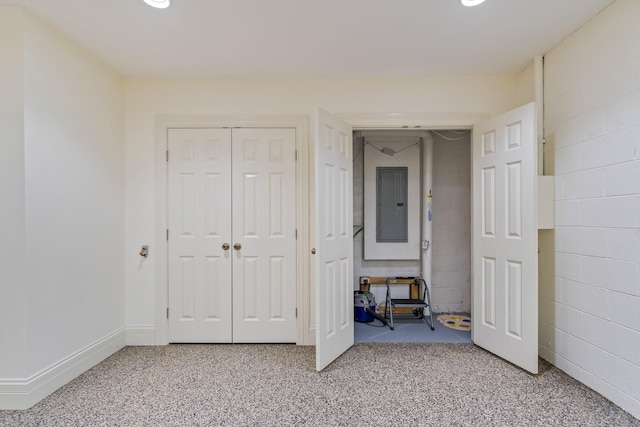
point(437, 245)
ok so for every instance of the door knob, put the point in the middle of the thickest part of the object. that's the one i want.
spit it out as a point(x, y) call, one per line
point(237, 246)
point(225, 246)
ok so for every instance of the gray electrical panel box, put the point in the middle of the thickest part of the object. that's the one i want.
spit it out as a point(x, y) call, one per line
point(391, 204)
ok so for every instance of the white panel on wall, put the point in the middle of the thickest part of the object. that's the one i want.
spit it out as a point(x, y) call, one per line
point(402, 152)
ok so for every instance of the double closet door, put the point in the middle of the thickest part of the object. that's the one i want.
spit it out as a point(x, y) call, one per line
point(232, 235)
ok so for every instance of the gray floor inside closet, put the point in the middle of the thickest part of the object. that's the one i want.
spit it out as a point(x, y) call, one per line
point(409, 331)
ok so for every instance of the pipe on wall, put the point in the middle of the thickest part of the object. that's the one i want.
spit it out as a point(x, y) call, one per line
point(427, 208)
point(538, 76)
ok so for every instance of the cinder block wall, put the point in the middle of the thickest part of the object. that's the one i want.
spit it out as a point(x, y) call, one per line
point(590, 317)
point(451, 276)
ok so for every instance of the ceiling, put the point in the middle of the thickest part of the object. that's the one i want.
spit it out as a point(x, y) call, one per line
point(319, 38)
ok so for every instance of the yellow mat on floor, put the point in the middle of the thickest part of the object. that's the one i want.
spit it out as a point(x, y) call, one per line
point(455, 321)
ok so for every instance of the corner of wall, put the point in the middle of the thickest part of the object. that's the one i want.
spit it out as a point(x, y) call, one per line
point(24, 393)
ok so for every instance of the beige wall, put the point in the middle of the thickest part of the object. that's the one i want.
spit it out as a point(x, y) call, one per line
point(434, 97)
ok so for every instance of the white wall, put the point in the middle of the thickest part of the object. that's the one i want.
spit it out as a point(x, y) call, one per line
point(590, 317)
point(13, 319)
point(75, 196)
point(147, 98)
point(71, 186)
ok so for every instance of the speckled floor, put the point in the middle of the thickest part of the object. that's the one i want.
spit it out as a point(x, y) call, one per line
point(276, 385)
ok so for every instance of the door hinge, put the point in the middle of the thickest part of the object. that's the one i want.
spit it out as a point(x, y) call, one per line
point(296, 155)
point(167, 234)
point(296, 234)
point(167, 312)
point(296, 312)
point(167, 155)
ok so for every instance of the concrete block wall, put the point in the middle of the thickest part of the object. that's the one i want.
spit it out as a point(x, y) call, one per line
point(451, 276)
point(590, 314)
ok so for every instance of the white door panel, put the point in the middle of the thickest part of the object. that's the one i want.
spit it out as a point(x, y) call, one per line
point(332, 221)
point(505, 237)
point(264, 224)
point(200, 222)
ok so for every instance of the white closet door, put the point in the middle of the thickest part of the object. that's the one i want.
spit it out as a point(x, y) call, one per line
point(264, 235)
point(199, 173)
point(505, 237)
point(332, 220)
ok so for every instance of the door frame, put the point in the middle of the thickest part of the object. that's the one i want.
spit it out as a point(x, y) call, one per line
point(358, 121)
point(162, 123)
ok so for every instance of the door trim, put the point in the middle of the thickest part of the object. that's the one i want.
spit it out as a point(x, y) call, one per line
point(161, 125)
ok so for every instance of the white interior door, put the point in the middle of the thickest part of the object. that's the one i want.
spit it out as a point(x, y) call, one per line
point(505, 237)
point(332, 220)
point(199, 173)
point(264, 231)
point(232, 235)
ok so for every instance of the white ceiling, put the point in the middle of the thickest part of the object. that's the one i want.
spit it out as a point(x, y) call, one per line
point(319, 38)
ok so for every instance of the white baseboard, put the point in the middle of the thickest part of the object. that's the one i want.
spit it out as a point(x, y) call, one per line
point(141, 335)
point(23, 393)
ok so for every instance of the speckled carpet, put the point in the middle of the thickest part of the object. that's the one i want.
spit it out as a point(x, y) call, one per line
point(276, 385)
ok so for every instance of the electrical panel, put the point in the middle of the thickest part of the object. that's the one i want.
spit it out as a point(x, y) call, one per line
point(391, 204)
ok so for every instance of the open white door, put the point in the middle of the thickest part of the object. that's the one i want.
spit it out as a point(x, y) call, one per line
point(332, 220)
point(505, 237)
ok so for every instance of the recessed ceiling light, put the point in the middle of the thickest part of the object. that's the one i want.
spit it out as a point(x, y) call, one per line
point(159, 4)
point(471, 2)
